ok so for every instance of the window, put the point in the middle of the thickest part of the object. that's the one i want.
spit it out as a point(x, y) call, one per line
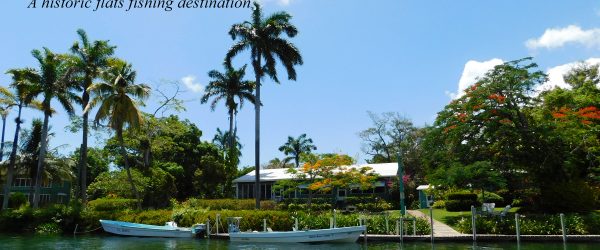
point(22, 182)
point(44, 198)
point(61, 198)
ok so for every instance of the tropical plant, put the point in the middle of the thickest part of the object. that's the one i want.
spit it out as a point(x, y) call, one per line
point(263, 37)
point(117, 106)
point(222, 141)
point(52, 82)
point(294, 147)
point(89, 60)
point(22, 87)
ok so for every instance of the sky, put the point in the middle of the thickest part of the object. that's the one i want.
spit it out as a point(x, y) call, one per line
point(410, 57)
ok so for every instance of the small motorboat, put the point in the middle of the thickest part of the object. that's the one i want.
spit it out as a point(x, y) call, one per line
point(338, 234)
point(169, 230)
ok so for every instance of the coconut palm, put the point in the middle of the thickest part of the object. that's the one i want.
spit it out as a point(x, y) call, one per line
point(21, 96)
point(51, 82)
point(117, 105)
point(7, 101)
point(294, 147)
point(90, 59)
point(228, 86)
point(263, 37)
point(222, 141)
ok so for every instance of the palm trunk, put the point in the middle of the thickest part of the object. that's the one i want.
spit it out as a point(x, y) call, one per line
point(84, 144)
point(126, 164)
point(3, 130)
point(258, 73)
point(41, 159)
point(13, 158)
point(232, 156)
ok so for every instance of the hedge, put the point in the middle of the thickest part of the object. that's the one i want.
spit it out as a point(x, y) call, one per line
point(462, 196)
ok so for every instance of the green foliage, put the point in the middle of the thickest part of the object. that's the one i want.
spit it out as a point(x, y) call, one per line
point(226, 204)
point(574, 196)
point(111, 204)
point(490, 198)
point(17, 200)
point(461, 201)
point(529, 225)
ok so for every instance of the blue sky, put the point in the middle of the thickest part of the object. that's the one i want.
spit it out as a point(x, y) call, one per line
point(388, 55)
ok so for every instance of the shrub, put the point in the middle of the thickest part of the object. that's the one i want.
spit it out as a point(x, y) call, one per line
point(439, 204)
point(462, 196)
point(491, 198)
point(112, 204)
point(229, 204)
point(460, 205)
point(16, 200)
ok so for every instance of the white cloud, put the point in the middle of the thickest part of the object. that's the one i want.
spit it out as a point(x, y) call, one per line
point(558, 37)
point(472, 71)
point(556, 74)
point(191, 84)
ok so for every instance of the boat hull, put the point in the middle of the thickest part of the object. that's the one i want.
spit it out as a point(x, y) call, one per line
point(143, 230)
point(342, 234)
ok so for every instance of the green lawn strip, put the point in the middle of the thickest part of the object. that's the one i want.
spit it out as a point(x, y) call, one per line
point(446, 217)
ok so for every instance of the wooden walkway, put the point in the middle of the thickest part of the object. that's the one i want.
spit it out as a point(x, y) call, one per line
point(439, 229)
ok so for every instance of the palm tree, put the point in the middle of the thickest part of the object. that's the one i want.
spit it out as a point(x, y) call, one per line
point(294, 147)
point(90, 59)
point(262, 36)
point(229, 86)
point(50, 81)
point(22, 88)
point(222, 141)
point(118, 106)
point(7, 101)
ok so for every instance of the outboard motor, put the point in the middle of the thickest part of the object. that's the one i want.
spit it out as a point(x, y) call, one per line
point(199, 230)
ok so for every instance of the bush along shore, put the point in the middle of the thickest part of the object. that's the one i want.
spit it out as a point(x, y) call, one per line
point(57, 219)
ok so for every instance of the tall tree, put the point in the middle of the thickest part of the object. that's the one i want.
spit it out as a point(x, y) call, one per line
point(222, 140)
point(22, 88)
point(50, 81)
point(7, 101)
point(263, 37)
point(90, 59)
point(117, 105)
point(295, 147)
point(229, 86)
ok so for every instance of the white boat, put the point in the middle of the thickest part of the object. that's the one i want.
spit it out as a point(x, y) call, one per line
point(338, 234)
point(170, 230)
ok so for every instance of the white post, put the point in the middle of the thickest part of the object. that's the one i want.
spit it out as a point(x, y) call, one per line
point(562, 225)
point(208, 228)
point(474, 223)
point(334, 219)
point(517, 228)
point(387, 224)
point(401, 229)
point(264, 225)
point(431, 221)
point(397, 227)
point(330, 222)
point(218, 219)
point(296, 223)
point(414, 226)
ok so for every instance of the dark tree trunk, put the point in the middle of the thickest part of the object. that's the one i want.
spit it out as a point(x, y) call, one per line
point(126, 164)
point(13, 158)
point(3, 131)
point(258, 73)
point(41, 158)
point(83, 151)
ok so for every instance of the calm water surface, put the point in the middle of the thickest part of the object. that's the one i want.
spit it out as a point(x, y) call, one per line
point(116, 242)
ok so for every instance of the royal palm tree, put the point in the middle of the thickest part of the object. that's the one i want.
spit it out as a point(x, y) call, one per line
point(263, 37)
point(118, 106)
point(22, 88)
point(228, 86)
point(90, 59)
point(51, 82)
point(294, 147)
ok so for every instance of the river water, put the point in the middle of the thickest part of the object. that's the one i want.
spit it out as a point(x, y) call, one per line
point(116, 242)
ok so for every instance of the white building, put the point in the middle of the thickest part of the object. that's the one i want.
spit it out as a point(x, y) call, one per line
point(244, 185)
